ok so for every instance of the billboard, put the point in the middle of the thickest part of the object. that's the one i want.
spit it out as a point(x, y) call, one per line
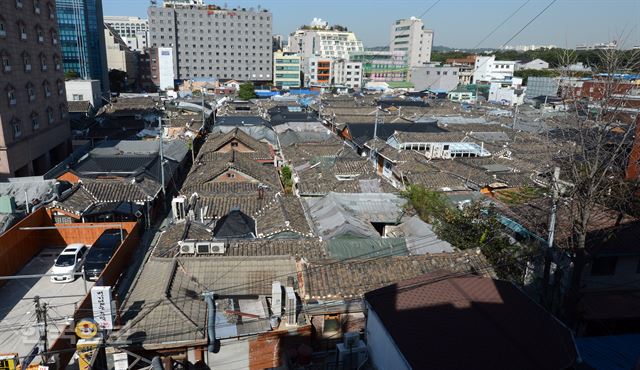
point(101, 303)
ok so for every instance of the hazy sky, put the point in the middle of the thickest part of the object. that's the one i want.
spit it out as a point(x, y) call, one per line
point(456, 23)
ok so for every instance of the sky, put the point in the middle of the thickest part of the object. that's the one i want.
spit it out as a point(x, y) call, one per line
point(456, 23)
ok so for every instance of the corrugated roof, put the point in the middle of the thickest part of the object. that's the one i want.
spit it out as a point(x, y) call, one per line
point(350, 248)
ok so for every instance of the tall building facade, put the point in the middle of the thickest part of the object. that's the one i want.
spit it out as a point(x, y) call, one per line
point(119, 56)
point(324, 42)
point(208, 41)
point(410, 36)
point(134, 31)
point(286, 70)
point(33, 107)
point(82, 39)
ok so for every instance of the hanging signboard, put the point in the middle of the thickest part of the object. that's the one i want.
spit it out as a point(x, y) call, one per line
point(102, 310)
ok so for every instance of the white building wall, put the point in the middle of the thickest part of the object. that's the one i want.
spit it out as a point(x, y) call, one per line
point(487, 68)
point(84, 90)
point(347, 73)
point(165, 68)
point(410, 36)
point(382, 349)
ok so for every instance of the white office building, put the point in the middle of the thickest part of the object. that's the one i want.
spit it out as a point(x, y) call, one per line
point(323, 41)
point(347, 73)
point(487, 68)
point(133, 30)
point(410, 36)
point(165, 68)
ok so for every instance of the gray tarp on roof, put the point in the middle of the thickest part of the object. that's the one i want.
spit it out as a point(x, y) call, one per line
point(420, 237)
point(347, 248)
point(352, 214)
point(173, 149)
point(33, 187)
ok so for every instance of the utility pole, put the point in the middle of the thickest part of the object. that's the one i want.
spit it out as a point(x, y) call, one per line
point(515, 117)
point(203, 91)
point(41, 317)
point(550, 239)
point(164, 190)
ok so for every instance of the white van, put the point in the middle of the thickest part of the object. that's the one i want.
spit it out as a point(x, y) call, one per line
point(68, 263)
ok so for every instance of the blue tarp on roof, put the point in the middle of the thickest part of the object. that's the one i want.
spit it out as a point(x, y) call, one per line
point(265, 93)
point(303, 92)
point(612, 352)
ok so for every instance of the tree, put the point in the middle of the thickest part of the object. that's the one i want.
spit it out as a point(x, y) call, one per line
point(70, 75)
point(247, 91)
point(475, 225)
point(594, 165)
point(287, 178)
point(117, 80)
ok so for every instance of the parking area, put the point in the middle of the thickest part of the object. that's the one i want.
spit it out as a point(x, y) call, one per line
point(18, 322)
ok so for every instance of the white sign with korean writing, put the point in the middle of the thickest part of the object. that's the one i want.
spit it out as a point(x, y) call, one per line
point(101, 302)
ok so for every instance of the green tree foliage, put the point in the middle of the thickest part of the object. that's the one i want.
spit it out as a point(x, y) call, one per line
point(117, 80)
point(526, 73)
point(287, 178)
point(70, 75)
point(247, 91)
point(473, 226)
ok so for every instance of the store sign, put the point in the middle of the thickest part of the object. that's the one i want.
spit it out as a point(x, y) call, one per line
point(86, 328)
point(101, 303)
point(8, 361)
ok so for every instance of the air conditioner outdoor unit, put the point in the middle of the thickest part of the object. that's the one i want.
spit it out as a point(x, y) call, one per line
point(203, 248)
point(178, 207)
point(351, 357)
point(276, 298)
point(217, 247)
point(187, 247)
point(290, 306)
point(351, 339)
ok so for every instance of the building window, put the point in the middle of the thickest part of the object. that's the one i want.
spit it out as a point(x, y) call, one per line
point(36, 6)
point(39, 34)
point(56, 62)
point(78, 97)
point(45, 87)
point(26, 61)
point(31, 93)
point(54, 37)
point(35, 124)
point(60, 87)
point(19, 4)
point(6, 61)
point(23, 30)
point(17, 128)
point(11, 95)
point(49, 115)
point(603, 266)
point(3, 30)
point(63, 111)
point(43, 62)
point(52, 13)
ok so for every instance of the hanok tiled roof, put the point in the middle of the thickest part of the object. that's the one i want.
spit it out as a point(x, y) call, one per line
point(165, 308)
point(428, 137)
point(284, 215)
point(498, 324)
point(167, 244)
point(76, 200)
point(79, 106)
point(215, 142)
point(212, 165)
point(353, 278)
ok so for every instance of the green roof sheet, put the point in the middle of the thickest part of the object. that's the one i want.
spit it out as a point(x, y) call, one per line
point(346, 248)
point(399, 84)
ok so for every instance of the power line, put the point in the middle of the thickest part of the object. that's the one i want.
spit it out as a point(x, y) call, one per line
point(501, 24)
point(528, 23)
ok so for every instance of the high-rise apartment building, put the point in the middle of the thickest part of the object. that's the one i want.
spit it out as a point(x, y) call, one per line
point(82, 39)
point(286, 70)
point(33, 107)
point(134, 31)
point(324, 42)
point(409, 35)
point(208, 41)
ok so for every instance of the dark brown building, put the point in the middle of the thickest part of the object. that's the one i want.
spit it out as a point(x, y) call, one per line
point(33, 106)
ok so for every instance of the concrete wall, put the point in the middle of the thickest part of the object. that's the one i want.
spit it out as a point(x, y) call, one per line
point(89, 89)
point(625, 276)
point(382, 349)
point(431, 77)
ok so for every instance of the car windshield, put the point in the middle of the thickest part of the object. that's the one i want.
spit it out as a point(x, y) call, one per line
point(99, 254)
point(65, 260)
